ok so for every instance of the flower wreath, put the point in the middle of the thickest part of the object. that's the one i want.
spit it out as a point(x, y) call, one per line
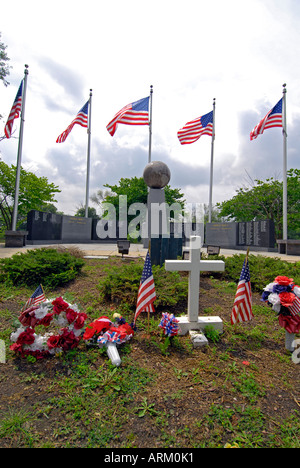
point(58, 312)
point(284, 297)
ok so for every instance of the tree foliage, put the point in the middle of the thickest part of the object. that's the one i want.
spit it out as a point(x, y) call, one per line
point(136, 191)
point(34, 193)
point(264, 201)
point(4, 67)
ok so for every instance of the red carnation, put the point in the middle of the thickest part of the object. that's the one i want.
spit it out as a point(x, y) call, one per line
point(26, 337)
point(59, 305)
point(287, 299)
point(53, 341)
point(284, 280)
point(71, 315)
point(79, 322)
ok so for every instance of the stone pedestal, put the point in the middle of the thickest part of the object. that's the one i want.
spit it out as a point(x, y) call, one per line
point(15, 238)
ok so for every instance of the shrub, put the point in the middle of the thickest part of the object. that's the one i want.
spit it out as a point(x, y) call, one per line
point(263, 270)
point(122, 284)
point(48, 267)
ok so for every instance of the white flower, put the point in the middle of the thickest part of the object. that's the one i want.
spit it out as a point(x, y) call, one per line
point(269, 287)
point(41, 312)
point(296, 290)
point(274, 299)
point(14, 336)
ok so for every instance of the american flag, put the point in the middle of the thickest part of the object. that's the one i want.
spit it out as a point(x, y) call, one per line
point(37, 297)
point(80, 119)
point(272, 119)
point(136, 113)
point(193, 130)
point(242, 307)
point(146, 293)
point(15, 111)
point(295, 308)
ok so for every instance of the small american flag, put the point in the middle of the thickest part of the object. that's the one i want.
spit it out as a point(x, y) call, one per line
point(272, 119)
point(37, 297)
point(242, 307)
point(15, 111)
point(80, 119)
point(193, 130)
point(295, 308)
point(146, 293)
point(136, 113)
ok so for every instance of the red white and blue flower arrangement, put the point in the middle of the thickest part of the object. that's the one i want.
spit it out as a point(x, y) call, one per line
point(284, 297)
point(58, 313)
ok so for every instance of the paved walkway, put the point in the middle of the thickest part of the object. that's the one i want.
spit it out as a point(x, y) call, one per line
point(136, 250)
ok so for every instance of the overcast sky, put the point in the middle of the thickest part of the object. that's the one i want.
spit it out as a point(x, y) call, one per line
point(237, 51)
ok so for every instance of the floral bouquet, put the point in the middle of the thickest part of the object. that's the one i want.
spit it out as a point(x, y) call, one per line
point(284, 297)
point(169, 324)
point(58, 313)
point(103, 331)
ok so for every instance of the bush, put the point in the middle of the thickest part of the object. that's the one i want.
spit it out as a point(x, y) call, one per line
point(122, 284)
point(263, 270)
point(48, 267)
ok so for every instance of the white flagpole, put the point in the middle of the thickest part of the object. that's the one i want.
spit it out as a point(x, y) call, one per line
point(212, 163)
point(88, 158)
point(284, 132)
point(19, 159)
point(150, 123)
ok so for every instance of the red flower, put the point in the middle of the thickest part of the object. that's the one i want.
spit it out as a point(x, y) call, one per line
point(71, 315)
point(59, 305)
point(79, 322)
point(46, 320)
point(26, 337)
point(287, 299)
point(284, 280)
point(53, 341)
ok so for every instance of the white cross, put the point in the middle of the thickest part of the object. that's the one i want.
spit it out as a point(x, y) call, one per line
point(194, 266)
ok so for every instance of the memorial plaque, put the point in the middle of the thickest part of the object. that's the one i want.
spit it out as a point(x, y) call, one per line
point(222, 234)
point(76, 229)
point(43, 226)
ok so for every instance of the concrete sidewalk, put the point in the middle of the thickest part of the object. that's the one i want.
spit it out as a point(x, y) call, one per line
point(136, 250)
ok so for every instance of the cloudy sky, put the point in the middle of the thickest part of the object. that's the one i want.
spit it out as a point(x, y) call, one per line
point(239, 52)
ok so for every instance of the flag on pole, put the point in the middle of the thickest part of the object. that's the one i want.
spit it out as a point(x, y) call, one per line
point(136, 113)
point(193, 130)
point(146, 293)
point(242, 307)
point(15, 111)
point(80, 119)
point(271, 120)
point(37, 297)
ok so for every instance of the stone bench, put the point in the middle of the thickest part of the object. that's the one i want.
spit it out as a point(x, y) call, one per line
point(289, 247)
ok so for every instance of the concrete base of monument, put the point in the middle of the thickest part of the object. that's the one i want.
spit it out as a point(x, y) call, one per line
point(185, 325)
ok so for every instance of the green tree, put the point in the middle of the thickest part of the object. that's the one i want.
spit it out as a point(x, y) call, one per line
point(4, 67)
point(137, 191)
point(264, 201)
point(34, 193)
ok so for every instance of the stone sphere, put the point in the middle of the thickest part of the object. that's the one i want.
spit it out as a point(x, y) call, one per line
point(157, 174)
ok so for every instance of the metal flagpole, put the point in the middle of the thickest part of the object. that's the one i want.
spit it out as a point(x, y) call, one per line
point(284, 132)
point(212, 163)
point(19, 159)
point(88, 158)
point(150, 123)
